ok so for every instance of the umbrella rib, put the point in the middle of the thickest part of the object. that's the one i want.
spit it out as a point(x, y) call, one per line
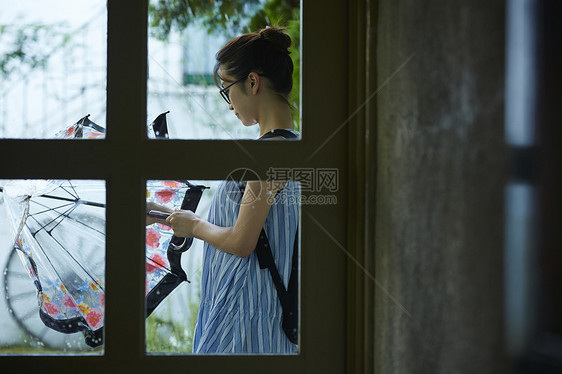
point(164, 267)
point(48, 260)
point(64, 214)
point(77, 201)
point(72, 257)
point(77, 262)
point(83, 224)
point(75, 194)
point(48, 209)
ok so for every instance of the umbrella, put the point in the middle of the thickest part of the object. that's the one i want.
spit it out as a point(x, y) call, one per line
point(159, 127)
point(163, 269)
point(59, 226)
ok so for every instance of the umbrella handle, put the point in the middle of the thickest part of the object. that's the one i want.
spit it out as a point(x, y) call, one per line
point(177, 244)
point(158, 214)
point(179, 247)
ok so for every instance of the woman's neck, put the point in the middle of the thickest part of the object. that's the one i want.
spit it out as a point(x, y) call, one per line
point(276, 116)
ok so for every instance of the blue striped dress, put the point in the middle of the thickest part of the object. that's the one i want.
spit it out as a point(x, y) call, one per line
point(240, 311)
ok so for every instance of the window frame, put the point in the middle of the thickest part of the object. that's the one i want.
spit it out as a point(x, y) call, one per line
point(126, 159)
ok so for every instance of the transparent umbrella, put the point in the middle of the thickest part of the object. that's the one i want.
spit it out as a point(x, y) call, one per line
point(59, 231)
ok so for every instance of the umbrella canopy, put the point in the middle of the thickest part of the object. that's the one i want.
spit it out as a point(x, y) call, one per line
point(59, 231)
point(59, 228)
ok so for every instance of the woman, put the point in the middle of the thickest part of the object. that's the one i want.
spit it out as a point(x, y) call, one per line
point(240, 311)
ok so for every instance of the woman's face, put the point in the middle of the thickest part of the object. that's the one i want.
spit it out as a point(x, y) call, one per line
point(242, 103)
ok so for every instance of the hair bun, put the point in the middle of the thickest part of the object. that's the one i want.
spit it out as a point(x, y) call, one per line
point(276, 36)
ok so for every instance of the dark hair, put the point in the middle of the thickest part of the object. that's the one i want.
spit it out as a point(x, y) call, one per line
point(265, 52)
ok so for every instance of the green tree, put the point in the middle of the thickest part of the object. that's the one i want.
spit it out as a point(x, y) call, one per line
point(230, 16)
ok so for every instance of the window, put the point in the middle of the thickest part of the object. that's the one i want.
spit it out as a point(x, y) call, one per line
point(126, 159)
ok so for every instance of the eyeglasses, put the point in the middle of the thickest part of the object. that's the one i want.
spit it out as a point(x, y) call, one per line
point(224, 91)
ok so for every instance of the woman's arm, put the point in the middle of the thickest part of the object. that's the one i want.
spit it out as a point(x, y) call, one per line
point(240, 239)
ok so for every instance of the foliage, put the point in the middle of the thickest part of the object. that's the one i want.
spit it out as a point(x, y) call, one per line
point(166, 334)
point(168, 15)
point(230, 16)
point(29, 46)
point(293, 29)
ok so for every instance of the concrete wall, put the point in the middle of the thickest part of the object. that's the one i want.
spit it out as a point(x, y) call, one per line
point(440, 179)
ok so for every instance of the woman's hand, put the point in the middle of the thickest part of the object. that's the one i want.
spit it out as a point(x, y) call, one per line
point(183, 222)
point(240, 239)
point(150, 205)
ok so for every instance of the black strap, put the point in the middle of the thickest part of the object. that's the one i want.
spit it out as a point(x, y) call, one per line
point(266, 261)
point(285, 133)
point(287, 296)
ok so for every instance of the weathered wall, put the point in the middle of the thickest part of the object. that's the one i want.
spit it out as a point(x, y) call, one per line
point(440, 186)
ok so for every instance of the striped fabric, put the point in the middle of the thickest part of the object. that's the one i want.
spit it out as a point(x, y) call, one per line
point(240, 311)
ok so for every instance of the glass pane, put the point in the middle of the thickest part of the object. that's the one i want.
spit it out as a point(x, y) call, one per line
point(230, 304)
point(52, 252)
point(52, 66)
point(182, 46)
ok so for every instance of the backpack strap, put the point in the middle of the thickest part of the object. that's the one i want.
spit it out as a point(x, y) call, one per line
point(287, 296)
point(285, 133)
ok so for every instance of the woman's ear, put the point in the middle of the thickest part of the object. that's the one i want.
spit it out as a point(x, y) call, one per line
point(255, 83)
